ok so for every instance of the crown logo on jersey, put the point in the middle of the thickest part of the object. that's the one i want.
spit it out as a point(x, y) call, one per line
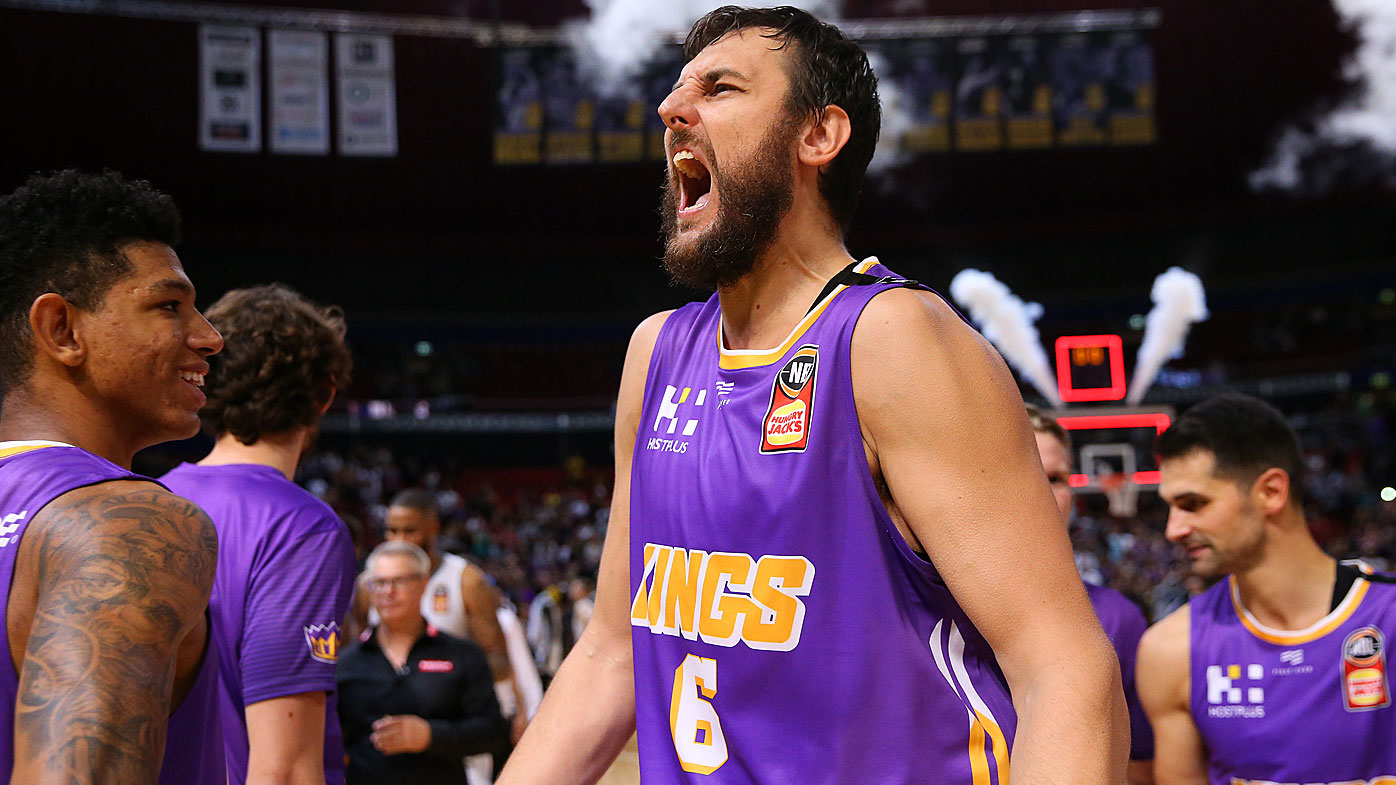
point(323, 640)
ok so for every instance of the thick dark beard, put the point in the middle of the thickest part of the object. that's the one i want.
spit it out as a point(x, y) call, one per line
point(754, 195)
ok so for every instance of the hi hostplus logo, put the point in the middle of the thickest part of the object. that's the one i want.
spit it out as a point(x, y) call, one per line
point(9, 525)
point(1228, 698)
point(666, 420)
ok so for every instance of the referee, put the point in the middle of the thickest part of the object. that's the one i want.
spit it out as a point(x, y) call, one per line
point(413, 701)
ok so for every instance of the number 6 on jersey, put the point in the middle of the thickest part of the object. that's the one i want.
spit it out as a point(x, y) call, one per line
point(697, 732)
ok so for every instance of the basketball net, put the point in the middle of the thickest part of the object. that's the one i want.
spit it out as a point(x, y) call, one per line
point(1121, 492)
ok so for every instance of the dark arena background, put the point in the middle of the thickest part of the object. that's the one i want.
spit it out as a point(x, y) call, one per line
point(483, 207)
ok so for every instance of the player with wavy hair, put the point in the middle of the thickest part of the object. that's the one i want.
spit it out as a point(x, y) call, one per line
point(104, 574)
point(286, 563)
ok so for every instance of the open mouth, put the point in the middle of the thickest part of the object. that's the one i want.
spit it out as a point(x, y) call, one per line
point(193, 377)
point(695, 183)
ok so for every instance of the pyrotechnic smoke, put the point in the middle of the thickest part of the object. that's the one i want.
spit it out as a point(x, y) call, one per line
point(1178, 302)
point(621, 35)
point(1007, 322)
point(1368, 118)
point(896, 118)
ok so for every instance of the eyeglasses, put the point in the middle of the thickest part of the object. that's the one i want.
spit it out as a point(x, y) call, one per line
point(400, 582)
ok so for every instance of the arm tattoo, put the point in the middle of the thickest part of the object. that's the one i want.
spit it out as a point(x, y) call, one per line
point(122, 578)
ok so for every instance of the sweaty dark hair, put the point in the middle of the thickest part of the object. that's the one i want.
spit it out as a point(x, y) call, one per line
point(62, 232)
point(283, 357)
point(415, 499)
point(825, 69)
point(1247, 435)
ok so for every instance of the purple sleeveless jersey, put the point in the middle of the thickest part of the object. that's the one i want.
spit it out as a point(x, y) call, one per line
point(1124, 624)
point(1312, 706)
point(32, 474)
point(783, 630)
point(285, 573)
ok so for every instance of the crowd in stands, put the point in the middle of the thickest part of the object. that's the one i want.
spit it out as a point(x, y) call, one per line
point(539, 533)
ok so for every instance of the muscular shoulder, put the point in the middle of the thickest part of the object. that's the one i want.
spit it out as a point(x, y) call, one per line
point(122, 543)
point(142, 515)
point(1163, 659)
point(645, 336)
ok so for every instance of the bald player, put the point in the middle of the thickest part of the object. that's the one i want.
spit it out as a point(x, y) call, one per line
point(1123, 621)
point(459, 599)
point(812, 573)
point(1279, 672)
point(104, 574)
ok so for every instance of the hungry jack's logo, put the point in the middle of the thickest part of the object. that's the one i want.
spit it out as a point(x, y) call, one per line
point(786, 425)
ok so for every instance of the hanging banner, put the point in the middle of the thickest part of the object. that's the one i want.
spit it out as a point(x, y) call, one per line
point(518, 110)
point(569, 109)
point(230, 89)
point(1032, 83)
point(300, 92)
point(367, 105)
point(1130, 90)
point(979, 95)
point(1027, 94)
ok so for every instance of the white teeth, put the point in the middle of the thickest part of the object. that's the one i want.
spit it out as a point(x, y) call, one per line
point(189, 376)
point(688, 165)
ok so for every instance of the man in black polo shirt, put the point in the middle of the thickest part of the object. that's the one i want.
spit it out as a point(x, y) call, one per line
point(413, 701)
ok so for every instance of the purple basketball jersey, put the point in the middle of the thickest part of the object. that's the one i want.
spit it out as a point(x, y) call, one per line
point(285, 572)
point(783, 630)
point(1124, 625)
point(33, 474)
point(1308, 706)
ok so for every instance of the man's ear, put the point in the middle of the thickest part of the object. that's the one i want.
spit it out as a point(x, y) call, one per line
point(1271, 492)
point(826, 137)
point(54, 323)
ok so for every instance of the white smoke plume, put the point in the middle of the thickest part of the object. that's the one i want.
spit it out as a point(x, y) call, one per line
point(1179, 301)
point(620, 36)
point(896, 119)
point(1368, 118)
point(1007, 322)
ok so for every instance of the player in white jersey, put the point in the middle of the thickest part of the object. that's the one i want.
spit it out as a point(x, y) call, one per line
point(458, 599)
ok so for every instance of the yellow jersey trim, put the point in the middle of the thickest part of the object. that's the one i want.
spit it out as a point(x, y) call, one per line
point(1313, 632)
point(8, 449)
point(736, 359)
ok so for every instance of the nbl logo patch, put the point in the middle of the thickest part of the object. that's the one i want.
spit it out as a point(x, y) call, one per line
point(1364, 671)
point(440, 600)
point(786, 425)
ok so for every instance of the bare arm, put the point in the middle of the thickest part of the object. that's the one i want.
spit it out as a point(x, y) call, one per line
point(944, 425)
point(481, 613)
point(1180, 756)
point(480, 607)
point(122, 572)
point(589, 711)
point(286, 740)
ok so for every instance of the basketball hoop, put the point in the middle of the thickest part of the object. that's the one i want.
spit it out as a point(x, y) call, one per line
point(1111, 470)
point(1121, 492)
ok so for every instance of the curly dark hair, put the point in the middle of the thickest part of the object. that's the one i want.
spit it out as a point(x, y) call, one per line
point(1246, 435)
point(283, 357)
point(63, 232)
point(825, 69)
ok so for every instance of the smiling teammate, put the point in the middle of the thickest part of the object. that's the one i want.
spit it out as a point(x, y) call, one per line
point(811, 575)
point(1278, 673)
point(104, 575)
